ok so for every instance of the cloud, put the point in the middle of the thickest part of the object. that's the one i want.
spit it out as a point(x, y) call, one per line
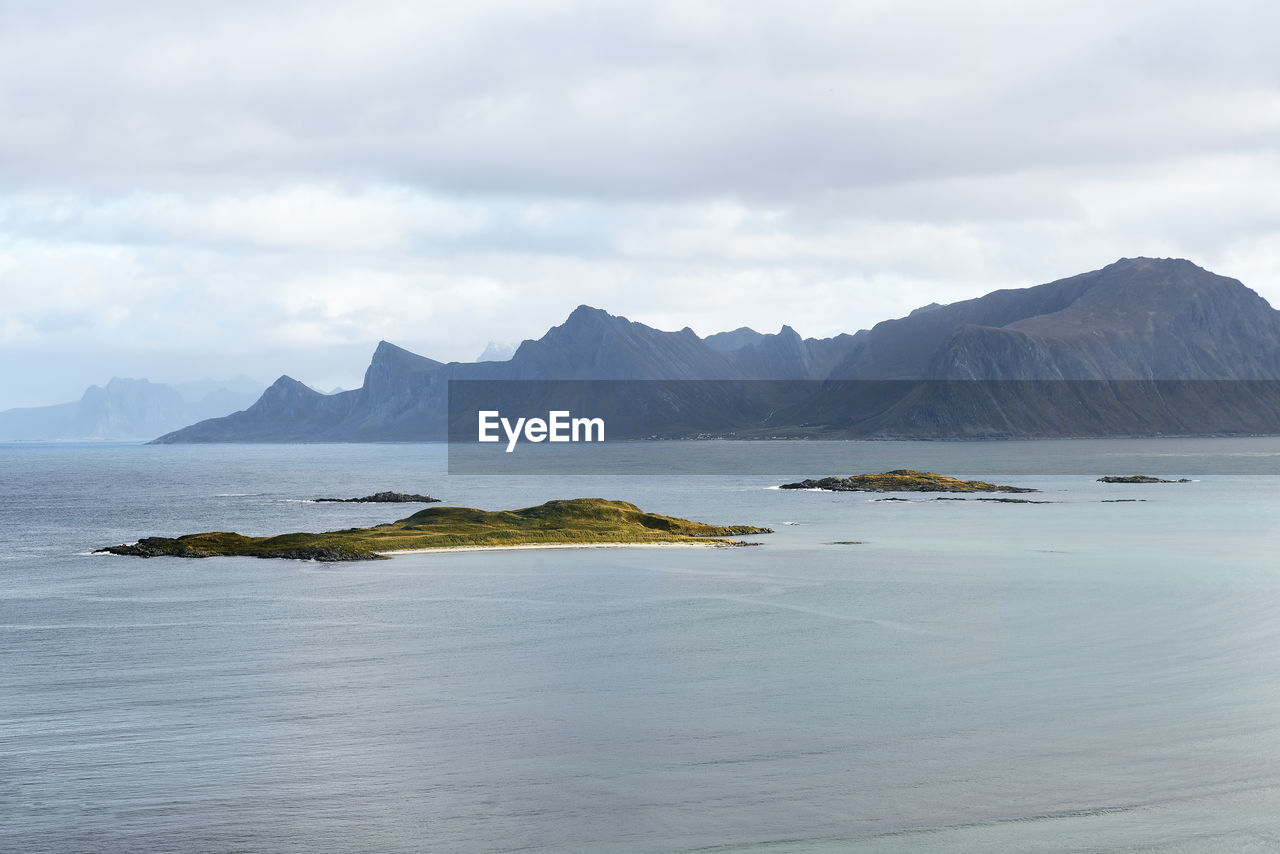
point(303, 217)
point(628, 100)
point(263, 188)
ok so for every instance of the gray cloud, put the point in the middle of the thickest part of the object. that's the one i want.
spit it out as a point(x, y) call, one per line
point(227, 188)
point(625, 100)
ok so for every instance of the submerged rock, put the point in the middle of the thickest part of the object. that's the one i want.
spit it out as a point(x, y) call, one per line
point(1014, 500)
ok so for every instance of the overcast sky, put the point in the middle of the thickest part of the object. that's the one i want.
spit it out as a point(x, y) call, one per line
point(192, 190)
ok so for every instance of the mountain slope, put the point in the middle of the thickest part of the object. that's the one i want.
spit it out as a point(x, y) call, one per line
point(1139, 318)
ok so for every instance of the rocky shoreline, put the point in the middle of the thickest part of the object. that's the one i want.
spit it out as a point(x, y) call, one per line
point(901, 480)
point(165, 547)
point(382, 498)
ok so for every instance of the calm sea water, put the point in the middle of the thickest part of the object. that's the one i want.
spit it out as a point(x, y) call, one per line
point(1080, 675)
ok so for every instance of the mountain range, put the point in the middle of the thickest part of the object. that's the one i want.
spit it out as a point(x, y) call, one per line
point(1074, 357)
point(129, 409)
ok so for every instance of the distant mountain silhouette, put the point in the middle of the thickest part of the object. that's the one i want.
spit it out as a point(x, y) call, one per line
point(497, 351)
point(129, 409)
point(1138, 319)
point(727, 342)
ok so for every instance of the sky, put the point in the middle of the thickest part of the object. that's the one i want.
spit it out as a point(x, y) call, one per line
point(217, 189)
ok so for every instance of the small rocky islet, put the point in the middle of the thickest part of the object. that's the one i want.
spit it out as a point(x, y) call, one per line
point(386, 497)
point(997, 500)
point(1138, 478)
point(902, 480)
point(578, 521)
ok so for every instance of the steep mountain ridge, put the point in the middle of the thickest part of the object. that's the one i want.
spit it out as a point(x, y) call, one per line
point(593, 344)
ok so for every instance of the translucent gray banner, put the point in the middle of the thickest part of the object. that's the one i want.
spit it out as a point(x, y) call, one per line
point(741, 427)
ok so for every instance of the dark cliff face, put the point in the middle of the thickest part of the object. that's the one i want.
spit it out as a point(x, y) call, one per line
point(391, 363)
point(1139, 318)
point(397, 384)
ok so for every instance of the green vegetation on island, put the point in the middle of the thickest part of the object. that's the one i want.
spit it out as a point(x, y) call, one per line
point(902, 480)
point(578, 521)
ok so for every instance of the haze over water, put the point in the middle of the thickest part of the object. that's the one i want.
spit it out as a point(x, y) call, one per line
point(1078, 675)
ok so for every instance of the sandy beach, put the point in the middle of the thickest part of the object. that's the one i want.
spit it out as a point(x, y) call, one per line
point(531, 546)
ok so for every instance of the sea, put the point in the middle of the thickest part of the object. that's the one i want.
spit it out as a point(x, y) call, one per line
point(1098, 672)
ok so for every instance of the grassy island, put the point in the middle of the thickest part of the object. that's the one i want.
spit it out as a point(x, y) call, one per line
point(578, 521)
point(902, 480)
